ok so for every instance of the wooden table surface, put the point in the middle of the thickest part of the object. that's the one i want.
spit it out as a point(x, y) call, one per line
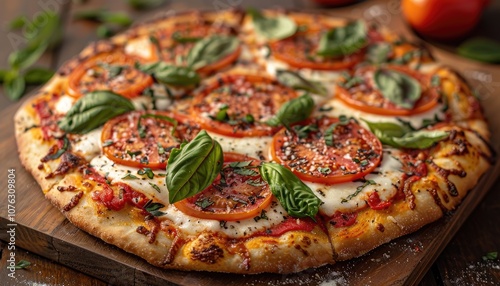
point(459, 264)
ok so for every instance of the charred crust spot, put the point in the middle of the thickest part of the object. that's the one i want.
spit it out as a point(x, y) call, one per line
point(207, 251)
point(305, 252)
point(306, 241)
point(66, 189)
point(68, 162)
point(74, 201)
point(380, 227)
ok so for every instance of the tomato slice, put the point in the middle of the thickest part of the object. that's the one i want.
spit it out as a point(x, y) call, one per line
point(175, 51)
point(299, 51)
point(147, 144)
point(238, 105)
point(234, 195)
point(366, 97)
point(355, 151)
point(108, 71)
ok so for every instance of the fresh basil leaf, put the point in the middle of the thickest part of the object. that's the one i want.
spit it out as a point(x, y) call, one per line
point(193, 167)
point(342, 41)
point(421, 139)
point(399, 88)
point(296, 81)
point(93, 110)
point(177, 76)
point(295, 196)
point(399, 136)
point(104, 31)
point(25, 57)
point(177, 36)
point(38, 75)
point(273, 28)
point(378, 53)
point(49, 34)
point(293, 111)
point(386, 131)
point(490, 256)
point(14, 85)
point(104, 16)
point(303, 131)
point(210, 50)
point(480, 49)
point(145, 4)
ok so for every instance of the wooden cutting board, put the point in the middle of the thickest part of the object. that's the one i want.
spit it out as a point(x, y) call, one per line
point(40, 228)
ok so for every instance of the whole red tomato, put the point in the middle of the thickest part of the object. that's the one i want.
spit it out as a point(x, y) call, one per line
point(443, 19)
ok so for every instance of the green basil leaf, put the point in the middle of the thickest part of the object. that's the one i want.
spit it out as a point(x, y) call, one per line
point(293, 111)
point(93, 110)
point(295, 196)
point(177, 36)
point(38, 75)
point(177, 76)
point(25, 57)
point(480, 49)
point(17, 23)
point(296, 81)
point(342, 41)
point(3, 74)
point(14, 85)
point(145, 4)
point(22, 264)
point(421, 139)
point(399, 136)
point(104, 16)
point(399, 88)
point(193, 167)
point(378, 53)
point(273, 28)
point(490, 256)
point(210, 50)
point(104, 31)
point(154, 208)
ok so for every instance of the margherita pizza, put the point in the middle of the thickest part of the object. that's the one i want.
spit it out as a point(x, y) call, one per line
point(253, 142)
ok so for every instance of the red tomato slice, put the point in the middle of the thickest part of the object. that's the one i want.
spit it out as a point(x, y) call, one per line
point(366, 97)
point(355, 152)
point(175, 51)
point(242, 196)
point(146, 145)
point(238, 105)
point(108, 71)
point(299, 51)
point(376, 203)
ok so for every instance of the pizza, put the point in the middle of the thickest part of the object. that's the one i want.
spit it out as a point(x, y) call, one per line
point(249, 142)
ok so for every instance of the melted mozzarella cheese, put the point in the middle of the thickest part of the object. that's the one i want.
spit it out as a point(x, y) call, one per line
point(351, 196)
point(89, 145)
point(417, 120)
point(64, 104)
point(193, 225)
point(116, 173)
point(251, 146)
point(141, 47)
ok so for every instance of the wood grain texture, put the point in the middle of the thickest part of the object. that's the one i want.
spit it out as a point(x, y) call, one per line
point(404, 261)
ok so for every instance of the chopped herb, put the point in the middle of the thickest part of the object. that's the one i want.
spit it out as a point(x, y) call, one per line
point(61, 150)
point(22, 264)
point(303, 131)
point(129, 177)
point(204, 203)
point(324, 170)
point(107, 143)
point(155, 186)
point(435, 80)
point(358, 190)
point(135, 153)
point(178, 37)
point(144, 160)
point(490, 256)
point(240, 164)
point(146, 171)
point(245, 172)
point(161, 150)
point(262, 215)
point(153, 208)
point(238, 200)
point(249, 119)
point(343, 120)
point(255, 183)
point(325, 108)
